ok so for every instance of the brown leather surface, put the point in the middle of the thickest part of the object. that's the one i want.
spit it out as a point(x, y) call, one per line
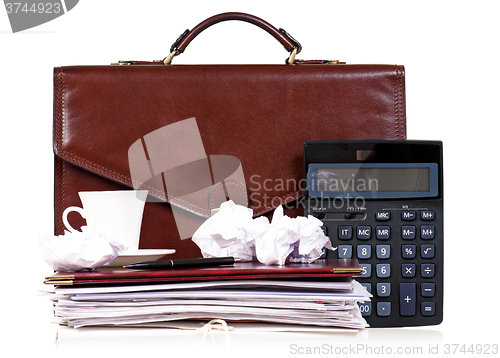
point(260, 114)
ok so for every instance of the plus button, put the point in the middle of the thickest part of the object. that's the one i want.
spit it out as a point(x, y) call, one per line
point(407, 298)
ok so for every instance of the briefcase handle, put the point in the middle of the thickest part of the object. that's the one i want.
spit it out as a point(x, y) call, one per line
point(179, 46)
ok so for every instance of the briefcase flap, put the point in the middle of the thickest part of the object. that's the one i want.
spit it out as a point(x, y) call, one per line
point(259, 114)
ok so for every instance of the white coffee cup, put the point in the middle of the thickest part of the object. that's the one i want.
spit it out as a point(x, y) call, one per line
point(115, 214)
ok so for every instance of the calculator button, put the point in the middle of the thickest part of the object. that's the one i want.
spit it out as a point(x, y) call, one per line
point(427, 251)
point(408, 270)
point(345, 251)
point(383, 289)
point(364, 232)
point(383, 215)
point(427, 215)
point(345, 232)
point(427, 232)
point(408, 215)
point(428, 289)
point(367, 286)
point(383, 270)
point(383, 308)
point(428, 308)
point(383, 232)
point(364, 251)
point(408, 251)
point(365, 308)
point(408, 232)
point(383, 251)
point(325, 230)
point(407, 298)
point(366, 270)
point(427, 270)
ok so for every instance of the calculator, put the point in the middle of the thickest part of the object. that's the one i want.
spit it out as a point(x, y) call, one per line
point(381, 202)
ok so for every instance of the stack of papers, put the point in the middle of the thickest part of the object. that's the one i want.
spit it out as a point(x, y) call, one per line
point(330, 302)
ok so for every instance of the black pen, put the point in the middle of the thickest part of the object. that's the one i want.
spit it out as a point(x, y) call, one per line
point(172, 264)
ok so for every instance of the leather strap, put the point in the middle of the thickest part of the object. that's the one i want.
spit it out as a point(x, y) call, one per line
point(179, 46)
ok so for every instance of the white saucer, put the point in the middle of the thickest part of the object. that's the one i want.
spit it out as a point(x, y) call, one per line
point(131, 257)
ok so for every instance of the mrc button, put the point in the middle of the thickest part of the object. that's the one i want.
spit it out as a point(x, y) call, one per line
point(383, 215)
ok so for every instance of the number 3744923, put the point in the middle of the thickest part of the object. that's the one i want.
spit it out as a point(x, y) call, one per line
point(471, 348)
point(34, 8)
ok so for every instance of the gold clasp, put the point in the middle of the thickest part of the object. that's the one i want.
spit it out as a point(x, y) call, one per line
point(291, 60)
point(334, 62)
point(122, 63)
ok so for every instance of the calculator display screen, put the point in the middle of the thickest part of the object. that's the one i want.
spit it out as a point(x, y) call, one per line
point(373, 180)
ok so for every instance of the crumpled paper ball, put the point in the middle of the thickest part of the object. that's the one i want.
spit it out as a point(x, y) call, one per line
point(233, 232)
point(230, 232)
point(76, 251)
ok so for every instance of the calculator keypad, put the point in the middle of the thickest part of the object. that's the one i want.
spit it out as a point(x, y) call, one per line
point(400, 252)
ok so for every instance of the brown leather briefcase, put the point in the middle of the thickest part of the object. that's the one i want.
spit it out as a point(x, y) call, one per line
point(259, 115)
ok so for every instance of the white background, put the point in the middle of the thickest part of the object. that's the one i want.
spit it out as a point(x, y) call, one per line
point(449, 49)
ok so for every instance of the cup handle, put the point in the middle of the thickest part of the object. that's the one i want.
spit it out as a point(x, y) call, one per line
point(65, 217)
